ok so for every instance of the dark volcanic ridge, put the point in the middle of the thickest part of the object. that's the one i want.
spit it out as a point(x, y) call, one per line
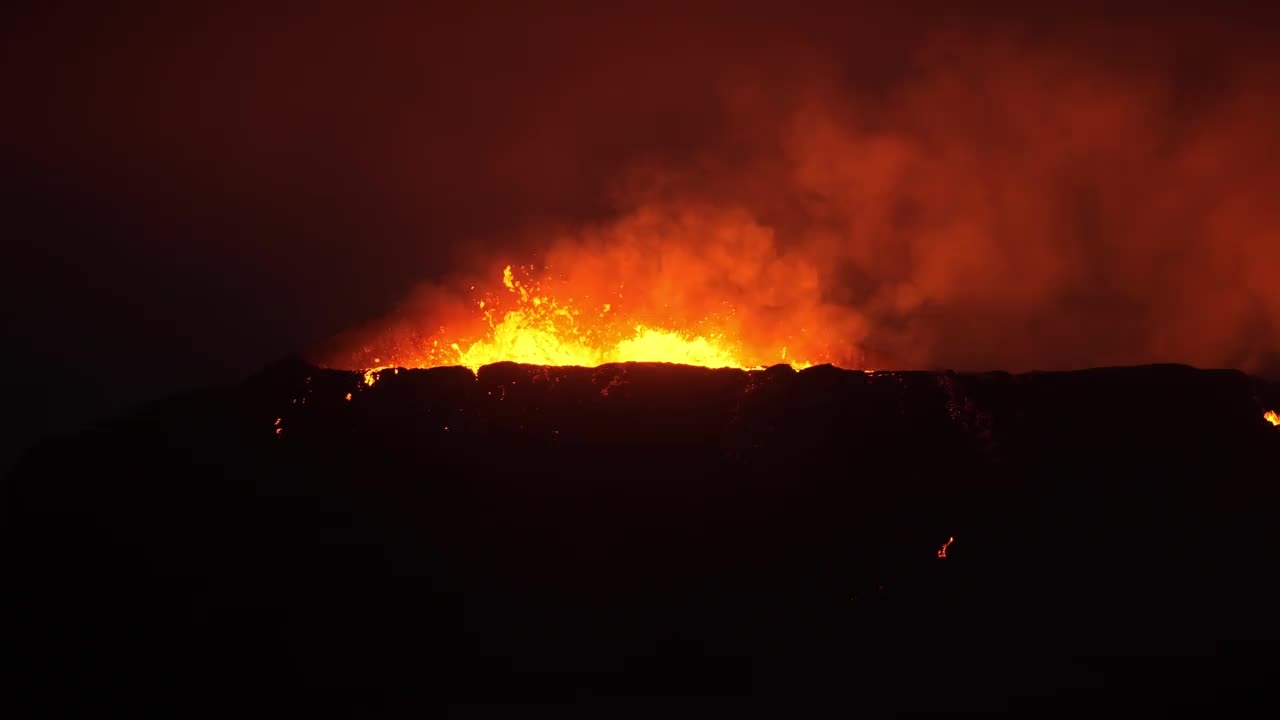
point(646, 530)
point(1017, 413)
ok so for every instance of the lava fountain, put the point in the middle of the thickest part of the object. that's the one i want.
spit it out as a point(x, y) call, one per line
point(705, 287)
point(528, 323)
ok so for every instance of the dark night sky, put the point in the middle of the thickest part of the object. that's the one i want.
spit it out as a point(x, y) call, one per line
point(194, 193)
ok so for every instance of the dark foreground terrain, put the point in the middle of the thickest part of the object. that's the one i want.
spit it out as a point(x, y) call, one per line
point(653, 538)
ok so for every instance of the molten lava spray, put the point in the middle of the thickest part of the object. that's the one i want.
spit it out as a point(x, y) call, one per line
point(695, 286)
point(942, 551)
point(543, 329)
point(1272, 417)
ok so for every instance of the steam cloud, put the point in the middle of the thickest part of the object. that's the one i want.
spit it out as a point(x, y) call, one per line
point(938, 185)
point(994, 201)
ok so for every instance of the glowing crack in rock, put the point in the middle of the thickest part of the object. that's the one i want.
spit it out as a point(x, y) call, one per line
point(942, 551)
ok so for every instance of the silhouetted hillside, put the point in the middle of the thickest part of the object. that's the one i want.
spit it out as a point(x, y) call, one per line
point(649, 536)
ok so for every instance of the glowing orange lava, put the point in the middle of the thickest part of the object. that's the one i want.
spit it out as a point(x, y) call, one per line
point(372, 374)
point(1272, 417)
point(942, 551)
point(526, 323)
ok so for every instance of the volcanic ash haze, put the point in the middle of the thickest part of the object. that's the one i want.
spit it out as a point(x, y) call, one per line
point(984, 199)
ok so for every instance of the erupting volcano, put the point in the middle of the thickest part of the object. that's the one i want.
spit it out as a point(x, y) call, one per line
point(707, 287)
point(401, 362)
point(533, 326)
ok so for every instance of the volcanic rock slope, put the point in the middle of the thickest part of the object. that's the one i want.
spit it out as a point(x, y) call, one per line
point(637, 534)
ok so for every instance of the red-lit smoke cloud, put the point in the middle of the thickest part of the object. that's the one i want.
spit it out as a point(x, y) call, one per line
point(994, 200)
point(962, 185)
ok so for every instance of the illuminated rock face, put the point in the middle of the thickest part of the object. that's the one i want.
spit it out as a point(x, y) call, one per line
point(530, 533)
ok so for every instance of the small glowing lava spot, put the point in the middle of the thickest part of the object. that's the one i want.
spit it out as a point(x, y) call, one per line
point(1272, 418)
point(348, 397)
point(277, 422)
point(372, 374)
point(446, 428)
point(942, 551)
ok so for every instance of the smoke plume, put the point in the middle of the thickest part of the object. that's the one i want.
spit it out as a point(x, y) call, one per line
point(932, 185)
point(981, 198)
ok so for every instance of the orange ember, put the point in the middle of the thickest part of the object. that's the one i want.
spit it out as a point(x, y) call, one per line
point(942, 551)
point(1272, 417)
point(543, 321)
